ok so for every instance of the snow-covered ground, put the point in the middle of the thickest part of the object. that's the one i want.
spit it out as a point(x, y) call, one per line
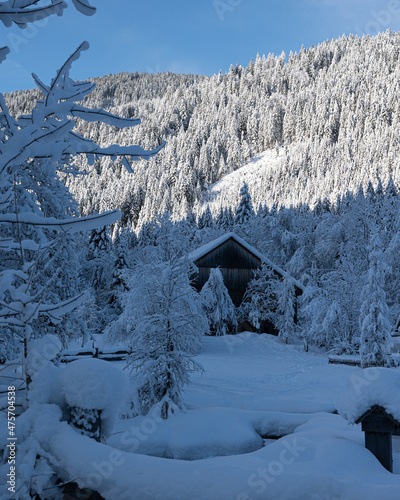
point(257, 173)
point(257, 372)
point(255, 387)
point(259, 424)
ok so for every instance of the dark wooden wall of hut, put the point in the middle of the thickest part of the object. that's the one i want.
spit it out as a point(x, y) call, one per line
point(236, 264)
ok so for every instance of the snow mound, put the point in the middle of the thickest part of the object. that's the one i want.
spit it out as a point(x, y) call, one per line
point(46, 387)
point(94, 384)
point(369, 387)
point(41, 352)
point(203, 433)
point(323, 459)
point(190, 435)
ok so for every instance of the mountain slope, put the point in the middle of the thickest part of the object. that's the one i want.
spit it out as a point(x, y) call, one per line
point(332, 109)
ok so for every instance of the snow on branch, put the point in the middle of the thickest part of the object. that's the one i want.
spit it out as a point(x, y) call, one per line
point(92, 115)
point(32, 142)
point(8, 244)
point(57, 311)
point(20, 313)
point(84, 7)
point(24, 12)
point(64, 70)
point(4, 51)
point(67, 225)
point(114, 150)
point(47, 131)
point(19, 13)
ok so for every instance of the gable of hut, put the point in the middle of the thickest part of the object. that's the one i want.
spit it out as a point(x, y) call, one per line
point(236, 263)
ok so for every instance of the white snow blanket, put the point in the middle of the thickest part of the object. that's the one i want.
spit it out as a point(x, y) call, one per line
point(254, 387)
point(370, 387)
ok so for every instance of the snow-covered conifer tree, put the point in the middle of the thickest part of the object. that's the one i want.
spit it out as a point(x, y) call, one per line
point(218, 305)
point(229, 219)
point(286, 310)
point(245, 209)
point(259, 303)
point(374, 314)
point(207, 218)
point(164, 324)
point(219, 221)
point(119, 283)
point(99, 242)
point(147, 234)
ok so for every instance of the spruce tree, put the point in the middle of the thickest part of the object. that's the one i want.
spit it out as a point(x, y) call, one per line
point(165, 322)
point(374, 314)
point(286, 311)
point(218, 305)
point(207, 218)
point(245, 209)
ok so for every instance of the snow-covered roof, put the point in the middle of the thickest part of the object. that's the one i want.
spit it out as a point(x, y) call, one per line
point(212, 245)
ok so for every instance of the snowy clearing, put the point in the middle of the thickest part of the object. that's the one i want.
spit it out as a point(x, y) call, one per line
point(254, 387)
point(257, 173)
point(259, 424)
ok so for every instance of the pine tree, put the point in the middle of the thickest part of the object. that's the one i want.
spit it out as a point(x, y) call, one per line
point(205, 220)
point(391, 190)
point(147, 234)
point(229, 219)
point(163, 316)
point(370, 193)
point(217, 304)
point(333, 329)
point(374, 313)
point(286, 311)
point(259, 302)
point(220, 219)
point(245, 209)
point(99, 242)
point(119, 283)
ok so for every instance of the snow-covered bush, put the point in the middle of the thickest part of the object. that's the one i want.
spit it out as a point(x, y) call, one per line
point(41, 374)
point(40, 352)
point(93, 388)
point(217, 304)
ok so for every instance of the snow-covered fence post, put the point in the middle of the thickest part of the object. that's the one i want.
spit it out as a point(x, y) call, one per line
point(373, 399)
point(379, 426)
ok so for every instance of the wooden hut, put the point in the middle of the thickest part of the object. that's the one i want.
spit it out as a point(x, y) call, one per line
point(237, 261)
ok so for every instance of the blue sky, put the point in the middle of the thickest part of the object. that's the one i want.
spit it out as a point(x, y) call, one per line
point(183, 36)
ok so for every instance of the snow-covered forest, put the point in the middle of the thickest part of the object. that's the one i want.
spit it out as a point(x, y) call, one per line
point(298, 157)
point(332, 109)
point(329, 116)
